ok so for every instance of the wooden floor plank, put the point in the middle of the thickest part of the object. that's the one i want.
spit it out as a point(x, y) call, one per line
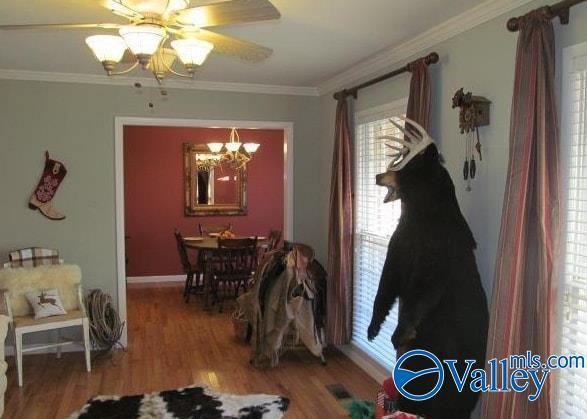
point(173, 344)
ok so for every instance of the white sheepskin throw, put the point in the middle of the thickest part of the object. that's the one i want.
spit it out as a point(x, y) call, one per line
point(19, 281)
point(185, 403)
point(3, 330)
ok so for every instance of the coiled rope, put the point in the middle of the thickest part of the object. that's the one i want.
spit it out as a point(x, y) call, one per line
point(105, 325)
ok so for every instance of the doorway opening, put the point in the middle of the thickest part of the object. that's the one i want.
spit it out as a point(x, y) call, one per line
point(150, 193)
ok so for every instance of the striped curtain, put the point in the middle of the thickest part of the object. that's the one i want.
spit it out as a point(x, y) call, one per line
point(522, 301)
point(420, 88)
point(340, 232)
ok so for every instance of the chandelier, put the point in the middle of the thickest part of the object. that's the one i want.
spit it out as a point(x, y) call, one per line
point(233, 152)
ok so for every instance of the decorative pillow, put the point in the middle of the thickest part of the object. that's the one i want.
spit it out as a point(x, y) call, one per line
point(45, 303)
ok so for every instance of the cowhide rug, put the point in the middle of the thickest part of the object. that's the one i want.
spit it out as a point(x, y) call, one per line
point(185, 403)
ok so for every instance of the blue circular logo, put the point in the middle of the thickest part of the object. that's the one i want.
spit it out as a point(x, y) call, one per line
point(401, 376)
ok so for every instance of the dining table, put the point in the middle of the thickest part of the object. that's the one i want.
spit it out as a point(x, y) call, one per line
point(210, 244)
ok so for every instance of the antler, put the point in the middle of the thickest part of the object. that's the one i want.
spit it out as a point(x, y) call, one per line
point(414, 142)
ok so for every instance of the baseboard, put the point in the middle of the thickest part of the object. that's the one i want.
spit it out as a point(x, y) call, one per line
point(152, 279)
point(377, 371)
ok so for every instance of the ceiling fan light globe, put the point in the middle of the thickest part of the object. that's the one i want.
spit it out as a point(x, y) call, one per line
point(215, 147)
point(251, 147)
point(192, 52)
point(107, 48)
point(143, 40)
point(177, 5)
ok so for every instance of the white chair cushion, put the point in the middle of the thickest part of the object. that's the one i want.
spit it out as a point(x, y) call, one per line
point(19, 281)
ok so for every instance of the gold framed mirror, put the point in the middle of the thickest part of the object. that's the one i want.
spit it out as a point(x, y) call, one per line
point(218, 190)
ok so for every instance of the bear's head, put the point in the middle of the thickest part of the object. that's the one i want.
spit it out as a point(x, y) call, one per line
point(415, 163)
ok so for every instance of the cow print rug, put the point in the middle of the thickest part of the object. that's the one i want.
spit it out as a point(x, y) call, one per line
point(185, 403)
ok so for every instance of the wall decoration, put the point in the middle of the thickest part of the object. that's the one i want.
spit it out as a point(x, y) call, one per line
point(42, 197)
point(220, 190)
point(474, 113)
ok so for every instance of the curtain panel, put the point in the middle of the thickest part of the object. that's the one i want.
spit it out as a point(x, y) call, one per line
point(340, 231)
point(420, 92)
point(522, 299)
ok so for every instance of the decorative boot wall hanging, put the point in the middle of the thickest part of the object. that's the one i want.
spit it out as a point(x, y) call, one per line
point(42, 197)
point(474, 113)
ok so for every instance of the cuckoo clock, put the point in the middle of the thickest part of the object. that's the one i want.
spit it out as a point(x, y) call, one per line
point(474, 113)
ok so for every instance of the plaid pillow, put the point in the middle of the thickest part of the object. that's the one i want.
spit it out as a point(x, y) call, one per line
point(33, 256)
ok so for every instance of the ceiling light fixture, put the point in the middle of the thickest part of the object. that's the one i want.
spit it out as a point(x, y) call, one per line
point(237, 154)
point(107, 49)
point(192, 52)
point(143, 41)
point(159, 31)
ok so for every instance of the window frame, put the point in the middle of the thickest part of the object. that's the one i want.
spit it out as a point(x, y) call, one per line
point(570, 54)
point(372, 114)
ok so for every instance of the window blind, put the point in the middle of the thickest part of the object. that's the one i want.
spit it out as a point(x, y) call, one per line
point(572, 385)
point(375, 222)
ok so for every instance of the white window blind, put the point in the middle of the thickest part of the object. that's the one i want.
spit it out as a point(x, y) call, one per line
point(572, 385)
point(375, 222)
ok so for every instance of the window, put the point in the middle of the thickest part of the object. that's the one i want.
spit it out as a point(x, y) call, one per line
point(375, 222)
point(572, 385)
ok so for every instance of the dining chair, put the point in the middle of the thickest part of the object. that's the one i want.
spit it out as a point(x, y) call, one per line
point(274, 241)
point(206, 229)
point(232, 267)
point(192, 270)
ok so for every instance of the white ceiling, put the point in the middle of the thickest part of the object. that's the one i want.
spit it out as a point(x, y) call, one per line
point(313, 41)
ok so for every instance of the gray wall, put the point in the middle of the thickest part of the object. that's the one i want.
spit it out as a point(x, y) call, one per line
point(482, 61)
point(75, 122)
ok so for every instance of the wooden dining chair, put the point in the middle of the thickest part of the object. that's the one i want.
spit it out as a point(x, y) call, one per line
point(206, 229)
point(192, 270)
point(232, 268)
point(274, 241)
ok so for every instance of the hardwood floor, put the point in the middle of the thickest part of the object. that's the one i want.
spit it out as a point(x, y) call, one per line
point(173, 344)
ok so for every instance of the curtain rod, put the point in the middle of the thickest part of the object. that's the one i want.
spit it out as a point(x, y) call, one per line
point(431, 58)
point(560, 10)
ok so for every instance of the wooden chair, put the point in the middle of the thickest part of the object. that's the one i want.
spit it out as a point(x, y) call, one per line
point(232, 266)
point(206, 229)
point(16, 282)
point(191, 270)
point(274, 241)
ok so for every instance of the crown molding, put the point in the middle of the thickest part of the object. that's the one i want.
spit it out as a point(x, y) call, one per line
point(267, 89)
point(388, 57)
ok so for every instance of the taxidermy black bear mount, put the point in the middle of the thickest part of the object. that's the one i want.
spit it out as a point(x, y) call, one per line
point(430, 268)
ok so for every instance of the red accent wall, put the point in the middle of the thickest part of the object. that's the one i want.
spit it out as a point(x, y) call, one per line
point(154, 200)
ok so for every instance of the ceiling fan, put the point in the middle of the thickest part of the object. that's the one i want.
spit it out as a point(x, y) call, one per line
point(159, 31)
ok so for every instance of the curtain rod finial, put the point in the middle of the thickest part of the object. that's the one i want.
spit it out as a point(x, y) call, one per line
point(513, 24)
point(433, 58)
point(343, 94)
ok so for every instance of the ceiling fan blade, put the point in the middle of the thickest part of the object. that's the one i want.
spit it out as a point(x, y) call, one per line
point(228, 13)
point(199, 3)
point(235, 47)
point(61, 26)
point(119, 8)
